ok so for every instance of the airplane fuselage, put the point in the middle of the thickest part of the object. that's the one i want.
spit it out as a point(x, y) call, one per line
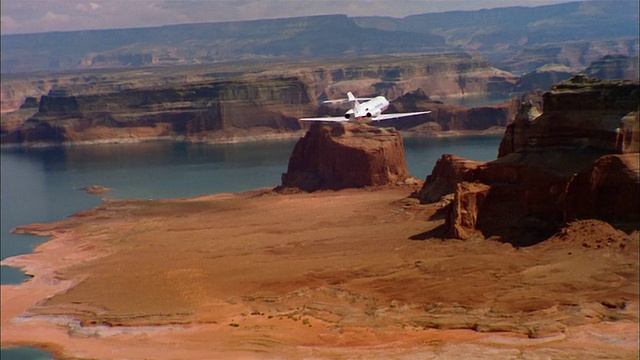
point(369, 109)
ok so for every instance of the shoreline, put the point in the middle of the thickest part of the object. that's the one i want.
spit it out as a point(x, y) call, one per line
point(220, 140)
point(323, 307)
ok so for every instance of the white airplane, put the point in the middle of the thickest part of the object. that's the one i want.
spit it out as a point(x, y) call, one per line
point(370, 109)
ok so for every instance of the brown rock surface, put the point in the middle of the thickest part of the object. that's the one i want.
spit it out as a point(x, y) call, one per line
point(346, 155)
point(315, 275)
point(525, 195)
point(583, 112)
point(443, 180)
point(609, 190)
point(516, 132)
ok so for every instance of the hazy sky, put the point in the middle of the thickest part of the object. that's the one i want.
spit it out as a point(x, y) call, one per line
point(27, 16)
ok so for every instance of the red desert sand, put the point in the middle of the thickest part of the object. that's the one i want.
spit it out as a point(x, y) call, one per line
point(361, 274)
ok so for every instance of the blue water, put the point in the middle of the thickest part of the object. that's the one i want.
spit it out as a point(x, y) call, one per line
point(44, 185)
point(24, 353)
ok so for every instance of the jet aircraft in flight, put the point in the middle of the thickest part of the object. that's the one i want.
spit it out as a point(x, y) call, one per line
point(364, 110)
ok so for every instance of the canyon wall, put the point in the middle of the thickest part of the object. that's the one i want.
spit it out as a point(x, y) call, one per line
point(193, 110)
point(198, 104)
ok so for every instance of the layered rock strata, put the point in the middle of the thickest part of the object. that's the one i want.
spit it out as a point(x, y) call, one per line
point(200, 104)
point(189, 111)
point(346, 155)
point(444, 179)
point(563, 165)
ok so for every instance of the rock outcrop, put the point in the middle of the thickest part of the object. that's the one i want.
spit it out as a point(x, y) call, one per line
point(516, 132)
point(608, 190)
point(444, 179)
point(346, 155)
point(562, 165)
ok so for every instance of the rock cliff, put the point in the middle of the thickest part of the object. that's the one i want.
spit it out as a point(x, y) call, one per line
point(248, 100)
point(444, 179)
point(346, 155)
point(607, 190)
point(455, 118)
point(576, 160)
point(192, 111)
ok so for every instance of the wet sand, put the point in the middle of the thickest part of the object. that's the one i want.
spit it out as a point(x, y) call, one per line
point(348, 274)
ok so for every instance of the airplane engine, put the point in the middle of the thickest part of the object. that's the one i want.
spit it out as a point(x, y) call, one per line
point(348, 114)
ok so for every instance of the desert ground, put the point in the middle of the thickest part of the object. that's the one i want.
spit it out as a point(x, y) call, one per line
point(350, 274)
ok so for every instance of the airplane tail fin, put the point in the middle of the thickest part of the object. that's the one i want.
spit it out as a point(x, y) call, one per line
point(354, 100)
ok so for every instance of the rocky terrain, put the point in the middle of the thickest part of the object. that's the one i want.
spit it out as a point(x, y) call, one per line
point(576, 160)
point(517, 39)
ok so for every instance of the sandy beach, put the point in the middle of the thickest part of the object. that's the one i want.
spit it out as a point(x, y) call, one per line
point(360, 273)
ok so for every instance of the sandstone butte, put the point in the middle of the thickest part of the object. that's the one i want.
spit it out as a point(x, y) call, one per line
point(367, 272)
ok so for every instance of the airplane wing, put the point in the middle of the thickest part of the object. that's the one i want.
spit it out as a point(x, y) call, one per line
point(328, 119)
point(383, 117)
point(380, 117)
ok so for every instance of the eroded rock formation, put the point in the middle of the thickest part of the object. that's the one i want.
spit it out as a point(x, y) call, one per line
point(562, 165)
point(346, 155)
point(190, 111)
point(515, 133)
point(444, 179)
point(455, 118)
point(607, 190)
point(544, 77)
point(248, 100)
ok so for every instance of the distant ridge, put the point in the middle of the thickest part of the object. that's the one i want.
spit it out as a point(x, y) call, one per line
point(510, 37)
